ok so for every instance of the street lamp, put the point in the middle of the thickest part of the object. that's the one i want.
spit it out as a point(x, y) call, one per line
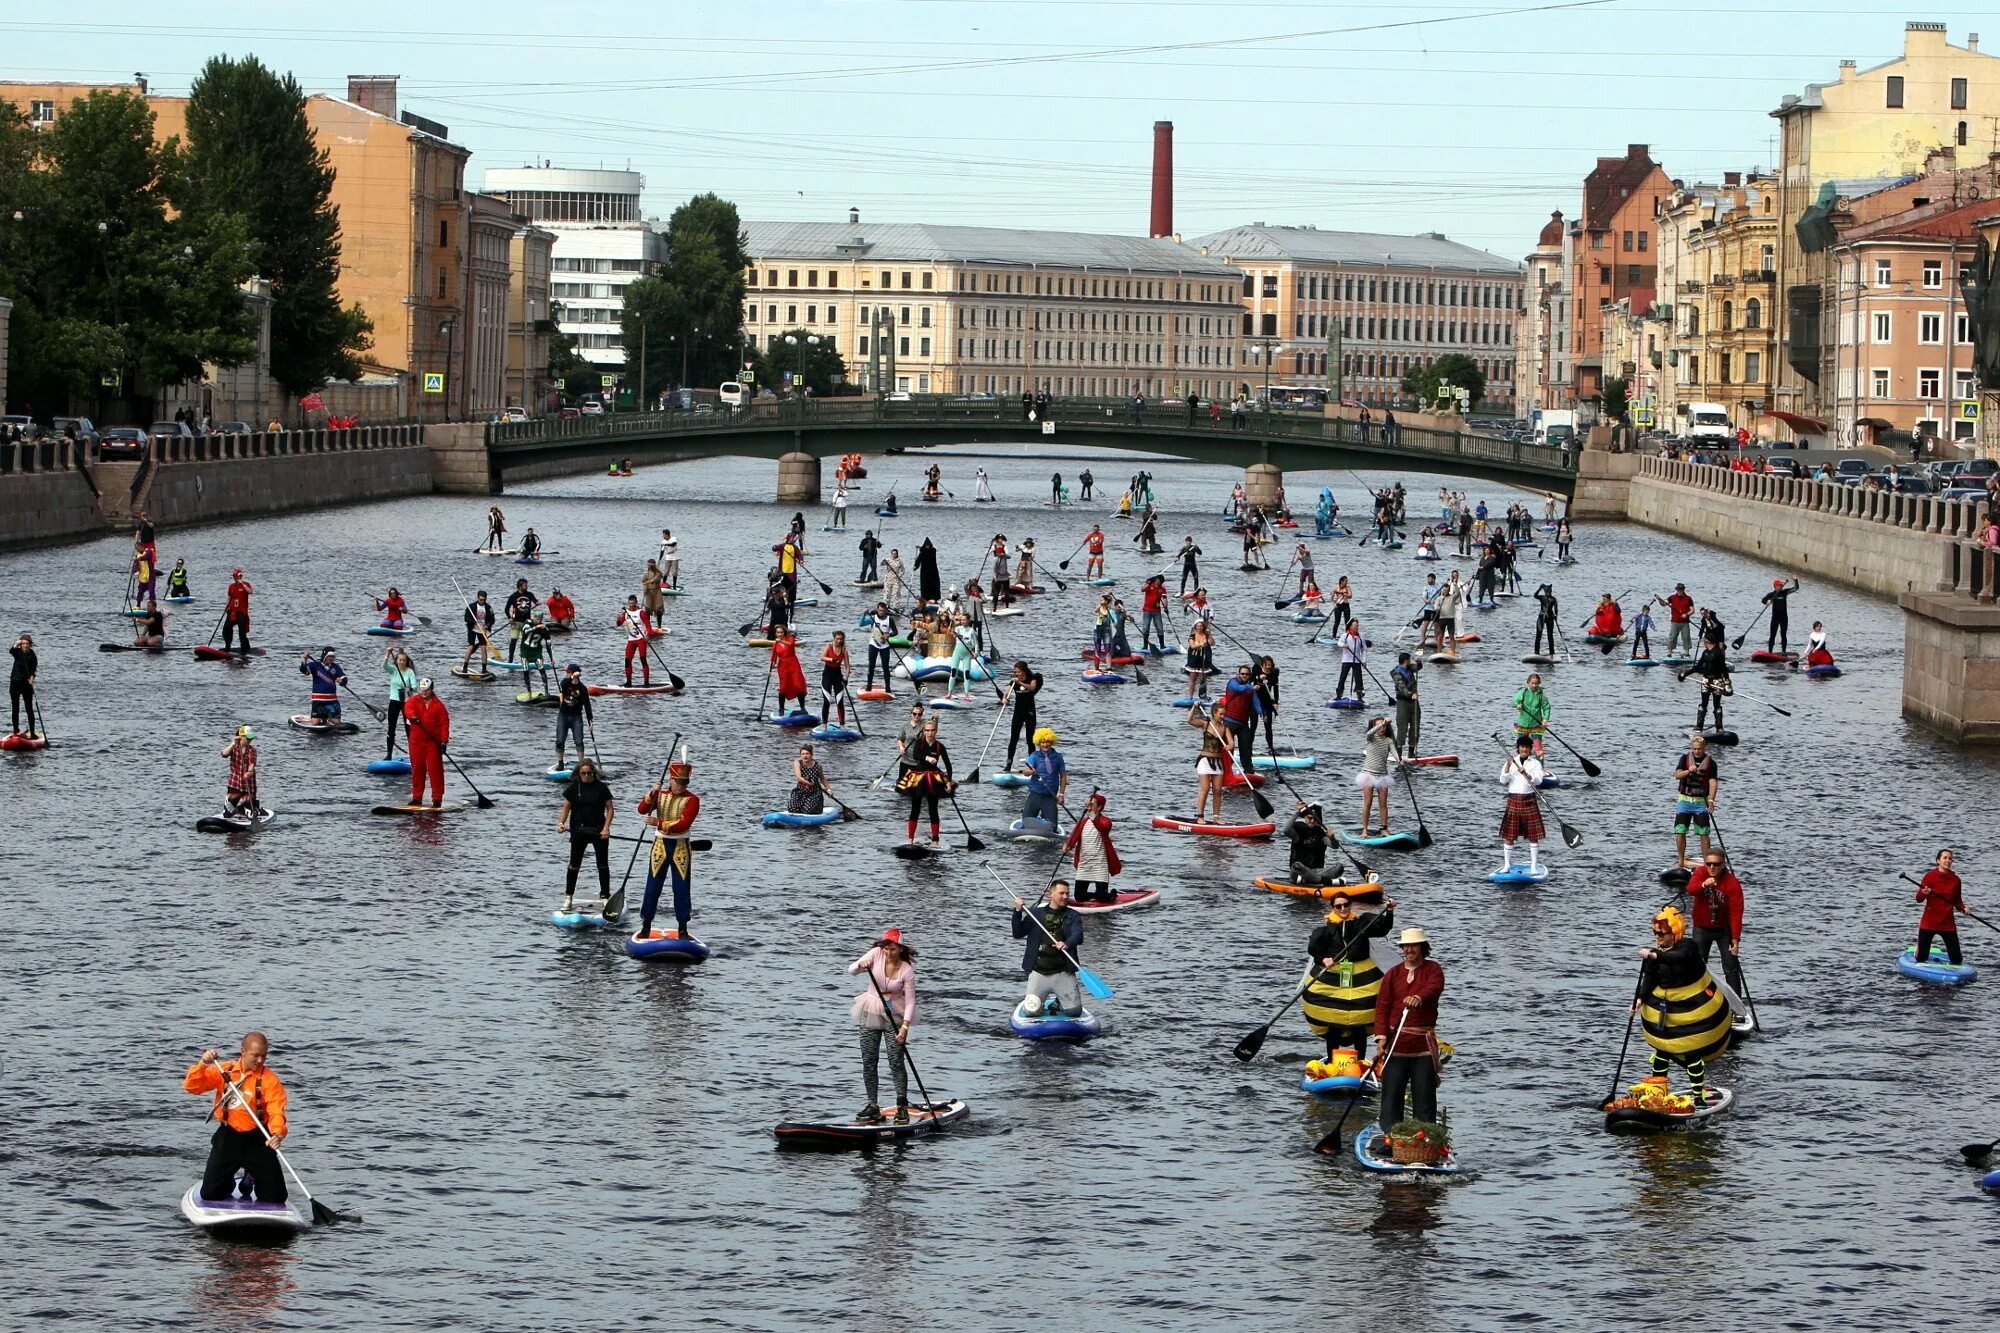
point(793, 340)
point(448, 330)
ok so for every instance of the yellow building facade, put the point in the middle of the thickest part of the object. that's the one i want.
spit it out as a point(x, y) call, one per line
point(1718, 246)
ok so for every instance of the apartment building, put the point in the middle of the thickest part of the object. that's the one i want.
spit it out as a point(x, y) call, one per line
point(1609, 257)
point(929, 309)
point(1541, 336)
point(1718, 295)
point(1351, 313)
point(1872, 125)
point(530, 273)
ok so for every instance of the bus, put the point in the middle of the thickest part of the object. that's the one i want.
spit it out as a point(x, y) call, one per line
point(733, 394)
point(1297, 397)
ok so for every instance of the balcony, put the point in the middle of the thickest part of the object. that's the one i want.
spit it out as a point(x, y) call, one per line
point(1690, 285)
point(1760, 275)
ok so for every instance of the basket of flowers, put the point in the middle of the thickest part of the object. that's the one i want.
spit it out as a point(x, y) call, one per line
point(1420, 1142)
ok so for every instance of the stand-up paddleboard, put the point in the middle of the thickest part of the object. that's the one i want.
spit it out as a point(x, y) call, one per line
point(1053, 1027)
point(1938, 969)
point(1025, 829)
point(208, 652)
point(1445, 659)
point(305, 722)
point(1114, 659)
point(1515, 877)
point(1401, 840)
point(1626, 1116)
point(464, 673)
point(1368, 1152)
point(1540, 659)
point(1125, 901)
point(925, 1118)
point(1766, 656)
point(1104, 678)
point(1826, 672)
point(1287, 761)
point(1719, 737)
point(394, 767)
point(247, 1219)
point(590, 912)
point(835, 732)
point(1433, 761)
point(228, 823)
point(391, 631)
point(668, 946)
point(1009, 780)
point(1344, 702)
point(1174, 824)
point(22, 740)
point(916, 851)
point(1642, 661)
point(179, 600)
point(790, 819)
point(798, 717)
point(1368, 892)
point(873, 696)
point(448, 808)
point(601, 690)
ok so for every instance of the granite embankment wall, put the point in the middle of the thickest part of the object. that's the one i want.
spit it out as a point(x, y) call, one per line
point(42, 508)
point(181, 494)
point(1879, 542)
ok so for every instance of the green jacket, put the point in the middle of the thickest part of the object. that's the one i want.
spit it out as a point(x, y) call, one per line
point(1531, 709)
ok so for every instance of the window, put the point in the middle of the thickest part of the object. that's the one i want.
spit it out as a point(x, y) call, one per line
point(1928, 383)
point(751, 316)
point(444, 232)
point(1753, 314)
point(1604, 274)
point(1881, 326)
point(1933, 273)
point(923, 347)
point(906, 316)
point(41, 112)
point(1882, 273)
point(1722, 368)
point(771, 314)
point(906, 280)
point(1753, 368)
point(442, 293)
point(1961, 134)
point(812, 277)
point(902, 347)
point(770, 277)
point(1961, 384)
point(1770, 259)
point(927, 281)
point(1930, 328)
point(791, 277)
point(791, 314)
point(1958, 94)
point(832, 280)
point(1642, 242)
point(924, 318)
point(1878, 382)
point(1628, 240)
point(1961, 327)
point(1632, 278)
point(1270, 284)
point(1895, 90)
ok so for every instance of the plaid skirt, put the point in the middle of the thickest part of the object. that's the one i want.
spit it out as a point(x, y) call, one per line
point(1523, 819)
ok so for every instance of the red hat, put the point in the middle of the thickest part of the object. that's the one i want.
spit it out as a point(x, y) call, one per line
point(891, 936)
point(1777, 583)
point(235, 573)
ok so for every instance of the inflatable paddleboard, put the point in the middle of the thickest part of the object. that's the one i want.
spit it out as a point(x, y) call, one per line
point(1939, 970)
point(1445, 659)
point(787, 819)
point(178, 601)
point(1630, 1119)
point(1113, 659)
point(1539, 659)
point(1344, 702)
point(1177, 825)
point(916, 851)
point(1007, 779)
point(464, 674)
point(1059, 1027)
point(1399, 841)
point(1368, 1152)
point(304, 722)
point(1434, 761)
point(1104, 678)
point(1822, 672)
point(796, 718)
point(1766, 655)
point(1025, 829)
point(835, 733)
point(537, 698)
point(240, 1217)
point(210, 653)
point(925, 1118)
point(389, 632)
point(668, 946)
point(448, 808)
point(1127, 900)
point(600, 690)
point(389, 768)
point(21, 740)
point(587, 913)
point(226, 823)
point(1288, 761)
point(1368, 892)
point(873, 696)
point(1641, 661)
point(1515, 877)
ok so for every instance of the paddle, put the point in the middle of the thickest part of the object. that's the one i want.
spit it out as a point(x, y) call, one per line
point(373, 711)
point(485, 801)
point(1632, 1013)
point(889, 1016)
point(1424, 838)
point(994, 730)
point(1737, 642)
point(1065, 562)
point(1246, 1049)
point(1329, 1146)
point(847, 812)
point(322, 1215)
point(1592, 769)
point(39, 720)
point(1976, 1154)
point(1571, 838)
point(634, 859)
point(972, 841)
point(660, 658)
point(1099, 989)
point(825, 589)
point(1781, 712)
point(769, 672)
point(1980, 919)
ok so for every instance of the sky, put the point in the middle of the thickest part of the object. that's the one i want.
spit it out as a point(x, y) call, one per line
point(1470, 119)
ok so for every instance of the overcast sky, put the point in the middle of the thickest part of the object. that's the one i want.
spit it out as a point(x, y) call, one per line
point(1470, 119)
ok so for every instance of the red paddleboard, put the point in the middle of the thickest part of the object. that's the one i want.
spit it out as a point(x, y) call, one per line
point(873, 696)
point(21, 740)
point(1764, 655)
point(1128, 659)
point(1435, 760)
point(1126, 901)
point(631, 689)
point(1177, 825)
point(1468, 638)
point(210, 653)
point(1239, 780)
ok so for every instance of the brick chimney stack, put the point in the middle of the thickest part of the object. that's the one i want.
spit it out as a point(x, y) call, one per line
point(1163, 179)
point(374, 92)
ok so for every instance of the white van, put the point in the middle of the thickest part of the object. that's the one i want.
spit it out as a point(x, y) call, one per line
point(1708, 423)
point(732, 394)
point(1556, 427)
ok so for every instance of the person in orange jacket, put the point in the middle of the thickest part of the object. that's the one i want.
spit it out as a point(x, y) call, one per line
point(247, 1093)
point(430, 732)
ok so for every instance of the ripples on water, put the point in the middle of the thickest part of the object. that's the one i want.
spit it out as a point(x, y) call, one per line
point(542, 1133)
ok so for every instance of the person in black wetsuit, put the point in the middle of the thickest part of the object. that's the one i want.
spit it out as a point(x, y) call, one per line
point(1713, 668)
point(572, 711)
point(929, 586)
point(1085, 480)
point(870, 545)
point(21, 681)
point(1545, 620)
point(1190, 573)
point(1308, 837)
point(1026, 684)
point(1781, 616)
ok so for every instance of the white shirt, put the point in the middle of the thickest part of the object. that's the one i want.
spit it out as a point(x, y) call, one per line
point(1522, 776)
point(840, 499)
point(670, 549)
point(1353, 648)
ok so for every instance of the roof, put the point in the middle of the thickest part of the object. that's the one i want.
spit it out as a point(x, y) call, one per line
point(1929, 223)
point(916, 242)
point(1552, 230)
point(1354, 248)
point(1611, 183)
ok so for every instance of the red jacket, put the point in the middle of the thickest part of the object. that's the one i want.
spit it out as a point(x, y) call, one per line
point(1153, 597)
point(1608, 620)
point(1418, 1030)
point(238, 600)
point(1073, 844)
point(1941, 898)
point(430, 721)
point(1716, 904)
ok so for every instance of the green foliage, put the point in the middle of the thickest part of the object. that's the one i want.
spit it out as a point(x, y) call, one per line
point(1453, 368)
point(251, 153)
point(1617, 398)
point(690, 312)
point(566, 365)
point(106, 284)
point(822, 363)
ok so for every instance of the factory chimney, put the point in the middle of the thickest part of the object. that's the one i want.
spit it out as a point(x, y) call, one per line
point(1163, 178)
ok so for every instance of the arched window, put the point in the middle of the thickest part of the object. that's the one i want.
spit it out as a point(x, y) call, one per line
point(1753, 314)
point(1728, 316)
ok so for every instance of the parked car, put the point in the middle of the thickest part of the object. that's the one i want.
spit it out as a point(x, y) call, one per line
point(1850, 471)
point(126, 442)
point(23, 424)
point(1784, 467)
point(85, 430)
point(170, 429)
point(901, 396)
point(569, 414)
point(514, 414)
point(233, 428)
point(592, 409)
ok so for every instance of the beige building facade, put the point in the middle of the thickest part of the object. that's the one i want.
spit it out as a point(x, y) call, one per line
point(1718, 244)
point(1350, 313)
point(530, 323)
point(1541, 333)
point(993, 310)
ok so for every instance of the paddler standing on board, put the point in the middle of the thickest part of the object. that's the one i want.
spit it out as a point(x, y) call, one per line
point(1407, 1058)
point(1343, 980)
point(1522, 773)
point(241, 752)
point(249, 1109)
point(428, 728)
point(1684, 1015)
point(670, 814)
point(236, 611)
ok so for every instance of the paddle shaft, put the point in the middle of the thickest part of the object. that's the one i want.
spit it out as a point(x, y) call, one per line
point(1334, 1138)
point(1967, 911)
point(236, 1092)
point(1631, 1016)
point(634, 858)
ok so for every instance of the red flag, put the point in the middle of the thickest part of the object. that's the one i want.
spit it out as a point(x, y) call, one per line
point(312, 402)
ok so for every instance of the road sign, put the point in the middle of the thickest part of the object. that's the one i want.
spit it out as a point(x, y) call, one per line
point(1642, 417)
point(433, 381)
point(1048, 428)
point(1969, 410)
point(606, 381)
point(748, 376)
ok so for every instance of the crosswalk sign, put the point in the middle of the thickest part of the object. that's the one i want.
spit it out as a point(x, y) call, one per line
point(1969, 410)
point(433, 381)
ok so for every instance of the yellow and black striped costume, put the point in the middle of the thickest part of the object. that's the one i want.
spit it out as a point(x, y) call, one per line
point(1343, 996)
point(1685, 1017)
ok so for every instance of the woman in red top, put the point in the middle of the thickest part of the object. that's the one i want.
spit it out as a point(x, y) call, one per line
point(1091, 854)
point(1942, 895)
point(834, 665)
point(791, 676)
point(392, 608)
point(1406, 1049)
point(1609, 621)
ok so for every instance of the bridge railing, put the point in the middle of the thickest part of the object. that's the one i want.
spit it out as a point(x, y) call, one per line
point(1079, 413)
point(1971, 565)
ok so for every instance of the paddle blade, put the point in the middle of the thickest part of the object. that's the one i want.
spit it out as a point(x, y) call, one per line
point(1975, 1154)
point(973, 777)
point(1094, 984)
point(1737, 642)
point(1571, 838)
point(1330, 1145)
point(848, 814)
point(743, 630)
point(973, 843)
point(326, 1217)
point(1246, 1050)
point(614, 906)
point(1264, 807)
point(485, 801)
point(1423, 835)
point(676, 682)
point(1589, 768)
point(1140, 676)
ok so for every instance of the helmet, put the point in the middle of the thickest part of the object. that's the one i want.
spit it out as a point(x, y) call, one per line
point(426, 684)
point(1671, 918)
point(1777, 583)
point(248, 733)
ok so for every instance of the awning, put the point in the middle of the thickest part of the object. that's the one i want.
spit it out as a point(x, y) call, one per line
point(1876, 423)
point(1804, 425)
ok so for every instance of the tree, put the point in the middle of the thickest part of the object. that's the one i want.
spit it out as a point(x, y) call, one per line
point(250, 152)
point(821, 361)
point(697, 307)
point(117, 298)
point(1454, 369)
point(1617, 399)
point(567, 367)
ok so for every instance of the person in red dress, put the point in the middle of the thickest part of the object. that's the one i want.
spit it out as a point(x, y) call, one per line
point(791, 676)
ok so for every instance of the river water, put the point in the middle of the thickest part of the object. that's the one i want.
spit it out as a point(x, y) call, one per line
point(541, 1133)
